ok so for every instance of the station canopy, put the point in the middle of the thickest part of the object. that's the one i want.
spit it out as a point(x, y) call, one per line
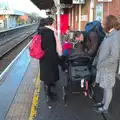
point(48, 4)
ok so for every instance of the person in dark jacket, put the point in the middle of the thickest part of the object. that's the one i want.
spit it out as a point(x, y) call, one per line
point(49, 72)
point(88, 45)
point(43, 22)
point(92, 43)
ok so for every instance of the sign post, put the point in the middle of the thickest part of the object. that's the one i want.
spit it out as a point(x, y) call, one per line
point(58, 18)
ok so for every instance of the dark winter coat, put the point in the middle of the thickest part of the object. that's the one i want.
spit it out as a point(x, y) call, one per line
point(49, 72)
point(92, 43)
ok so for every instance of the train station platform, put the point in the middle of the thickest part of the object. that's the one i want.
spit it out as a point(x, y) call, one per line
point(17, 86)
point(22, 96)
point(13, 28)
point(78, 107)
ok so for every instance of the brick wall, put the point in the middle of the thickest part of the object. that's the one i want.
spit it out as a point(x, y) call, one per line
point(85, 11)
point(108, 8)
point(111, 8)
point(74, 13)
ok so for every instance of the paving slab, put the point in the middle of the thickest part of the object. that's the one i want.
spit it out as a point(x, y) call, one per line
point(21, 105)
point(78, 107)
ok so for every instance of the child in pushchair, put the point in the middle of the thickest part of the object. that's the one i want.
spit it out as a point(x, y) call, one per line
point(66, 51)
point(78, 71)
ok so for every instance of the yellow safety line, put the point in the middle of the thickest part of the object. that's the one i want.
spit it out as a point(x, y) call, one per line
point(34, 106)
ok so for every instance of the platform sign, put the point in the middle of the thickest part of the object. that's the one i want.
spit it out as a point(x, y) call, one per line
point(104, 0)
point(84, 18)
point(65, 5)
point(78, 1)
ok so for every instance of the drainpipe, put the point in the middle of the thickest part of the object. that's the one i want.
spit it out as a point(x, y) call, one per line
point(91, 10)
point(108, 8)
point(80, 17)
point(72, 17)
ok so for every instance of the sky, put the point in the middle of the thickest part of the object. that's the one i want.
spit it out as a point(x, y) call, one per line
point(23, 5)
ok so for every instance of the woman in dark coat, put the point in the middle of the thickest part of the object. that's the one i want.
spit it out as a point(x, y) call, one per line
point(49, 72)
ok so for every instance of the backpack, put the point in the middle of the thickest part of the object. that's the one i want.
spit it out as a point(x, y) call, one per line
point(35, 47)
point(95, 26)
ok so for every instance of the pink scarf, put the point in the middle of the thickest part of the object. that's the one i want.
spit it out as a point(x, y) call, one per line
point(58, 42)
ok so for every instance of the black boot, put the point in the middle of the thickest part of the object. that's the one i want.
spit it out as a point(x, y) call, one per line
point(47, 89)
point(53, 85)
point(52, 94)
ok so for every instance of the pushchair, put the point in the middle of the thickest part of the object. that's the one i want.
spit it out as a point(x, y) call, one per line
point(79, 71)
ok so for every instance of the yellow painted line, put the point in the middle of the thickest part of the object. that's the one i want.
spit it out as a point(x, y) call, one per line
point(34, 106)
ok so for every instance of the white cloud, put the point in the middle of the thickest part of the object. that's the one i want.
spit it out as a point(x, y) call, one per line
point(23, 5)
point(43, 14)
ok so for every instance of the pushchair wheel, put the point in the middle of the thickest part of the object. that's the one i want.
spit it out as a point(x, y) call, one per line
point(64, 94)
point(93, 84)
point(91, 92)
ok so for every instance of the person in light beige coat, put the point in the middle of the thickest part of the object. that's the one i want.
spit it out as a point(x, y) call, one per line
point(106, 61)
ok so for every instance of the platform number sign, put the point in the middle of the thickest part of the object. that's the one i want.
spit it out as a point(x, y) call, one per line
point(78, 1)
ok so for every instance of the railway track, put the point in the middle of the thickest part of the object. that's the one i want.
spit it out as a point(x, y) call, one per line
point(8, 56)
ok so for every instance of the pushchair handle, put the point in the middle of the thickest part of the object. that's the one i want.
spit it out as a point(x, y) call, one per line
point(75, 57)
